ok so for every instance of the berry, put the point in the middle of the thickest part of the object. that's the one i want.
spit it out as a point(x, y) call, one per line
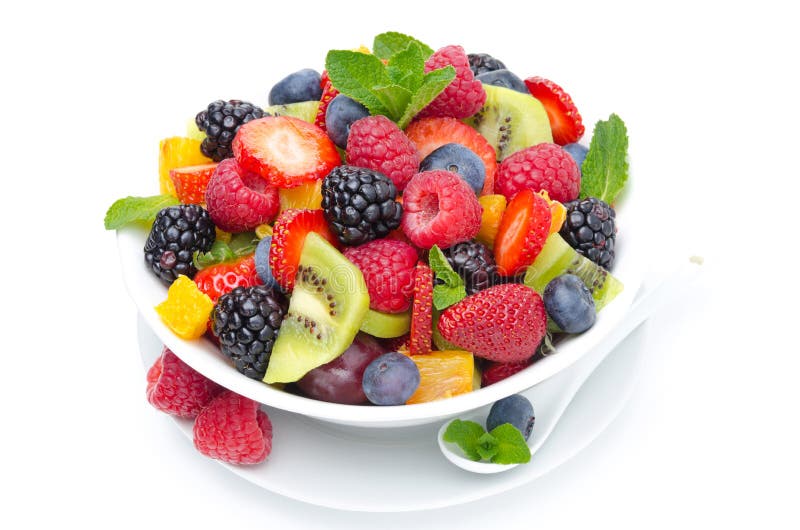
point(494, 372)
point(176, 388)
point(474, 263)
point(340, 115)
point(504, 323)
point(503, 78)
point(177, 232)
point(577, 152)
point(328, 93)
point(239, 200)
point(569, 303)
point(543, 166)
point(523, 230)
point(225, 277)
point(186, 309)
point(464, 96)
point(303, 85)
point(590, 228)
point(360, 204)
point(565, 120)
point(481, 63)
point(388, 269)
point(419, 341)
point(458, 159)
point(246, 321)
point(376, 142)
point(234, 429)
point(262, 263)
point(514, 409)
point(390, 379)
point(288, 236)
point(493, 208)
point(220, 121)
point(439, 209)
point(191, 182)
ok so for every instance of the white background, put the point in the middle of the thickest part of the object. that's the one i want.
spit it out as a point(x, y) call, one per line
point(708, 92)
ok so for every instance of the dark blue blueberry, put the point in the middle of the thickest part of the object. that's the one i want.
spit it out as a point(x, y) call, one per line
point(342, 112)
point(458, 159)
point(390, 379)
point(504, 78)
point(514, 409)
point(302, 85)
point(262, 263)
point(577, 152)
point(569, 303)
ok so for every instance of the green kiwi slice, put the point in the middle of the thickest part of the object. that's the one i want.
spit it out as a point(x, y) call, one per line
point(511, 121)
point(386, 325)
point(328, 304)
point(305, 110)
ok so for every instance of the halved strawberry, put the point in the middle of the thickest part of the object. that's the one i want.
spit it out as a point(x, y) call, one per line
point(191, 182)
point(565, 120)
point(421, 311)
point(288, 235)
point(286, 151)
point(429, 134)
point(328, 93)
point(225, 277)
point(523, 230)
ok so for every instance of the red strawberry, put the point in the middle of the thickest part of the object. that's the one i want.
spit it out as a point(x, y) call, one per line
point(223, 278)
point(504, 323)
point(495, 372)
point(328, 93)
point(176, 388)
point(523, 230)
point(191, 182)
point(288, 236)
point(565, 120)
point(286, 151)
point(464, 96)
point(421, 311)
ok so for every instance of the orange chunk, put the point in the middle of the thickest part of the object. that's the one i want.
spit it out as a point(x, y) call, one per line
point(304, 197)
point(186, 309)
point(558, 212)
point(443, 374)
point(175, 152)
point(493, 208)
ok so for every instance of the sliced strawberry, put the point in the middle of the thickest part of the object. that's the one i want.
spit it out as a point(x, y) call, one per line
point(523, 230)
point(286, 151)
point(421, 311)
point(225, 277)
point(288, 235)
point(429, 134)
point(191, 182)
point(328, 93)
point(565, 120)
point(494, 372)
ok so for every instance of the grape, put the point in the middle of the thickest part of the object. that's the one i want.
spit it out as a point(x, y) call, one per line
point(391, 379)
point(569, 303)
point(514, 409)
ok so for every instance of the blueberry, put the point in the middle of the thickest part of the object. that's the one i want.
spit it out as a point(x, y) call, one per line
point(569, 303)
point(458, 159)
point(577, 152)
point(390, 379)
point(302, 85)
point(342, 112)
point(504, 78)
point(262, 262)
point(514, 409)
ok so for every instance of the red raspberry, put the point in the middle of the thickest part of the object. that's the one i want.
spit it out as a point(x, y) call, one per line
point(376, 142)
point(238, 200)
point(464, 96)
point(439, 208)
point(388, 268)
point(233, 428)
point(543, 166)
point(176, 388)
point(495, 372)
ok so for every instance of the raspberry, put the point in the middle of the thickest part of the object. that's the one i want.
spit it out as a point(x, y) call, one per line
point(495, 372)
point(439, 208)
point(543, 166)
point(376, 142)
point(388, 268)
point(232, 428)
point(464, 96)
point(176, 388)
point(239, 200)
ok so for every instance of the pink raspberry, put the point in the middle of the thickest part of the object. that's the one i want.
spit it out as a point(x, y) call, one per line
point(239, 200)
point(388, 268)
point(176, 388)
point(377, 143)
point(464, 96)
point(440, 208)
point(543, 166)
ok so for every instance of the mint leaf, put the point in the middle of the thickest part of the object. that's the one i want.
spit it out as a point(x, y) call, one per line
point(394, 98)
point(242, 244)
point(605, 169)
point(407, 68)
point(511, 447)
point(385, 45)
point(487, 446)
point(136, 209)
point(466, 434)
point(451, 289)
point(432, 85)
point(355, 75)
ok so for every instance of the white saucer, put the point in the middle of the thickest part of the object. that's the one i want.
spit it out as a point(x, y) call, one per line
point(401, 469)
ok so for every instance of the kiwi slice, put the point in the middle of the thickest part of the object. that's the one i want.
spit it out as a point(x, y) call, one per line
point(328, 304)
point(386, 325)
point(557, 258)
point(511, 121)
point(305, 110)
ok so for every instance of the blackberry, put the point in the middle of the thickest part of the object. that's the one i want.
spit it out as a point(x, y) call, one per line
point(246, 321)
point(474, 263)
point(359, 204)
point(480, 63)
point(177, 233)
point(220, 121)
point(590, 229)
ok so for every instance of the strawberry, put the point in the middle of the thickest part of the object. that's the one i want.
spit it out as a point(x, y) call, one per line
point(288, 235)
point(504, 323)
point(495, 372)
point(328, 93)
point(223, 278)
point(565, 120)
point(421, 311)
point(523, 230)
point(191, 182)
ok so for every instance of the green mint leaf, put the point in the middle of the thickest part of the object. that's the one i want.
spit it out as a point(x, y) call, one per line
point(394, 98)
point(444, 297)
point(243, 243)
point(136, 209)
point(487, 446)
point(511, 445)
point(466, 434)
point(220, 253)
point(407, 68)
point(385, 45)
point(452, 288)
point(355, 75)
point(432, 85)
point(605, 169)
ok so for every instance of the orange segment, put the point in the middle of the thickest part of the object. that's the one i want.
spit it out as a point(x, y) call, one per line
point(558, 212)
point(306, 196)
point(176, 152)
point(493, 208)
point(443, 374)
point(186, 309)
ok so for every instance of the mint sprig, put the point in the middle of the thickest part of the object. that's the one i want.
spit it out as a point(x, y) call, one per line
point(385, 45)
point(136, 209)
point(503, 445)
point(450, 288)
point(605, 169)
point(240, 245)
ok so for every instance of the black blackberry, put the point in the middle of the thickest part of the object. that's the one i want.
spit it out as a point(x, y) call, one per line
point(177, 233)
point(474, 263)
point(590, 229)
point(359, 204)
point(220, 121)
point(246, 321)
point(480, 63)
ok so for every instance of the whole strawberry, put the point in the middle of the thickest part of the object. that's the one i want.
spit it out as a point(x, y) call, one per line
point(176, 388)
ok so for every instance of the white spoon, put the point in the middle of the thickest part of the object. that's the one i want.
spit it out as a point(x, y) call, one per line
point(551, 397)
